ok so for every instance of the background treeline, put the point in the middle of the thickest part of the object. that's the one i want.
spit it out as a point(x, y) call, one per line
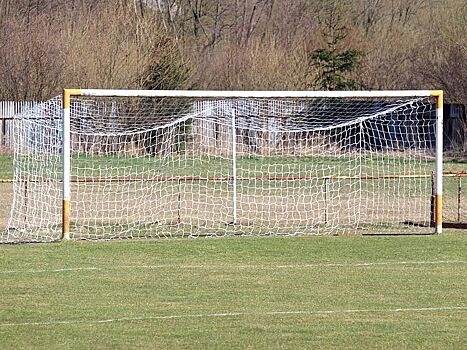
point(46, 45)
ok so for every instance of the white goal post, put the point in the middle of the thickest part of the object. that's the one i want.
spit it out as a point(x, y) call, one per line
point(160, 163)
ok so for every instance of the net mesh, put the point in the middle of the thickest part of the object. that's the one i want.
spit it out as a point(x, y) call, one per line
point(187, 167)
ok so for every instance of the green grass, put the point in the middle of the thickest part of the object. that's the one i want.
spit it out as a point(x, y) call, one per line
point(6, 167)
point(228, 293)
point(247, 166)
point(252, 166)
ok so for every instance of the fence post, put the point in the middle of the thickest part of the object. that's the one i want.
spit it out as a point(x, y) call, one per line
point(459, 191)
point(325, 200)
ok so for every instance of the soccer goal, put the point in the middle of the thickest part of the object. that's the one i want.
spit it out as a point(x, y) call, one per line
point(103, 164)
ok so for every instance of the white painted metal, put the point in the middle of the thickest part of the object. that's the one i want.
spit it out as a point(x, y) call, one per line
point(439, 161)
point(234, 168)
point(66, 154)
point(257, 94)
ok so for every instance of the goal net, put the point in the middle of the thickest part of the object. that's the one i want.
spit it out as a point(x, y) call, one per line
point(214, 164)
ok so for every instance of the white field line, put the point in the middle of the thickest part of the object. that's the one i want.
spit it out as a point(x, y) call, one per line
point(227, 266)
point(235, 314)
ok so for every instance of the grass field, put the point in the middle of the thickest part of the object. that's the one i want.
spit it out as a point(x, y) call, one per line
point(86, 166)
point(236, 293)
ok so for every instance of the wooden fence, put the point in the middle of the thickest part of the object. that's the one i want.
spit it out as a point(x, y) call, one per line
point(8, 109)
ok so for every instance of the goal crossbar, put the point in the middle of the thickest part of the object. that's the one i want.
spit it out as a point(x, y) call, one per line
point(68, 93)
point(252, 94)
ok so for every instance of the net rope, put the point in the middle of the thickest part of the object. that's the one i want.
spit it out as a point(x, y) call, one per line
point(166, 167)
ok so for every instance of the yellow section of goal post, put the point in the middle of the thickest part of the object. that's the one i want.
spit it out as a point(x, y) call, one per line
point(67, 93)
point(66, 154)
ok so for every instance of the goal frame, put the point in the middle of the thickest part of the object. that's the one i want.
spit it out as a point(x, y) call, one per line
point(68, 94)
